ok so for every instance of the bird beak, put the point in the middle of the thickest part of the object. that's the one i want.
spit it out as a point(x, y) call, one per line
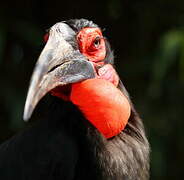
point(59, 64)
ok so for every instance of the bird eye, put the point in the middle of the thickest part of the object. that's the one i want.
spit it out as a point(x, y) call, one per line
point(91, 43)
point(97, 41)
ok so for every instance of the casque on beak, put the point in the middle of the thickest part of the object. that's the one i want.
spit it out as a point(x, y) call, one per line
point(59, 64)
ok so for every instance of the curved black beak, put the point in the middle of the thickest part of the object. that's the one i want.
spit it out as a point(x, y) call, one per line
point(59, 64)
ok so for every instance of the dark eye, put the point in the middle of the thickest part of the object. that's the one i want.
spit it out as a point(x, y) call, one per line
point(97, 41)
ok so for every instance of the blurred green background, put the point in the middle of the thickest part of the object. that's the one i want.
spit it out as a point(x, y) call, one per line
point(148, 41)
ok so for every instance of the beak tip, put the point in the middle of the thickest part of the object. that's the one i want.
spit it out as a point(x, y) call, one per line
point(25, 118)
point(27, 113)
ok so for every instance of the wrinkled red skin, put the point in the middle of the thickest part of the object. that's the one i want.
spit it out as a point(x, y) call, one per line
point(99, 99)
point(108, 73)
point(104, 105)
point(86, 40)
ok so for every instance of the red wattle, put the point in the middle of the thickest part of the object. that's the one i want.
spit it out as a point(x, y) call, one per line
point(102, 104)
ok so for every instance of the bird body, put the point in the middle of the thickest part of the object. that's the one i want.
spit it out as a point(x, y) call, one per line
point(91, 130)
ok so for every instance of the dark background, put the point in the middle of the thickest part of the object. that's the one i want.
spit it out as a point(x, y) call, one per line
point(148, 41)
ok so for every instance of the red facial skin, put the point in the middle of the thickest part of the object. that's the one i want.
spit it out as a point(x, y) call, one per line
point(91, 44)
point(99, 99)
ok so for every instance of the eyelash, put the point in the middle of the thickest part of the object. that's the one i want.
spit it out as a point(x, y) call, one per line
point(97, 41)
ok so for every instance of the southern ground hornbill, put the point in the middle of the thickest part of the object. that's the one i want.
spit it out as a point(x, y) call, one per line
point(92, 130)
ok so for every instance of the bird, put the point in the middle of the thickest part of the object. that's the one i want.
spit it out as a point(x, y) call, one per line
point(91, 129)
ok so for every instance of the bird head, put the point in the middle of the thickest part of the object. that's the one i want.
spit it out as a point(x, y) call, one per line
point(75, 51)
